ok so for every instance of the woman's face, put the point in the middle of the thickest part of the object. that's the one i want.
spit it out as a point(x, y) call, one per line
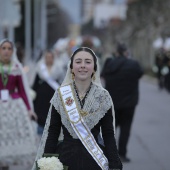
point(6, 51)
point(83, 66)
point(49, 58)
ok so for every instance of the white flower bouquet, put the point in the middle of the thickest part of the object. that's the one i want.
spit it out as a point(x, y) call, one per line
point(50, 163)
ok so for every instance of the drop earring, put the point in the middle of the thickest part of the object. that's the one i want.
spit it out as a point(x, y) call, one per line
point(72, 76)
point(94, 78)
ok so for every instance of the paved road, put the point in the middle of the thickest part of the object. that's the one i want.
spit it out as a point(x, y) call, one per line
point(150, 137)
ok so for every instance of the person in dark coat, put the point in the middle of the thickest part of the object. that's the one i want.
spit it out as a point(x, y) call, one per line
point(160, 63)
point(167, 75)
point(121, 76)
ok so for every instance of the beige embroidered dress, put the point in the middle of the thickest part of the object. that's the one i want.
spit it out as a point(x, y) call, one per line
point(17, 139)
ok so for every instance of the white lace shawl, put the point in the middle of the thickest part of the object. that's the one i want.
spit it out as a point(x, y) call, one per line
point(97, 103)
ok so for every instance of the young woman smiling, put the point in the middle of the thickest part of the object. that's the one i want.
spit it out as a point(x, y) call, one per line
point(81, 107)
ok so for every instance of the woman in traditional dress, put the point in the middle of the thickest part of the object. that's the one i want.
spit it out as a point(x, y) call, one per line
point(17, 138)
point(82, 108)
point(45, 84)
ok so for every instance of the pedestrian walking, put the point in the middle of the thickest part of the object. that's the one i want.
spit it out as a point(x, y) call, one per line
point(167, 75)
point(17, 138)
point(121, 77)
point(159, 67)
point(81, 106)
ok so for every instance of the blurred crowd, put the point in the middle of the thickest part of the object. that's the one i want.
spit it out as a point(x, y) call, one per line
point(120, 75)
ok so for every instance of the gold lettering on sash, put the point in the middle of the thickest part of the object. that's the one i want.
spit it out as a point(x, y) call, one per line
point(75, 117)
point(64, 91)
point(101, 159)
point(105, 165)
point(97, 153)
point(72, 113)
point(89, 143)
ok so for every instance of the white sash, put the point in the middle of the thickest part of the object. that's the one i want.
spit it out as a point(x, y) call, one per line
point(80, 127)
point(53, 84)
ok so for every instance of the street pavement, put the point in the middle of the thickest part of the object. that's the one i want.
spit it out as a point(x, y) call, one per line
point(149, 142)
point(148, 147)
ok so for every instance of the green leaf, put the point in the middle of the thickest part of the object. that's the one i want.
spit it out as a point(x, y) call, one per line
point(65, 167)
point(50, 155)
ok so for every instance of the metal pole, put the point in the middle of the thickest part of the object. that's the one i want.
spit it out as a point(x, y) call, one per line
point(27, 29)
point(43, 24)
point(3, 6)
point(36, 28)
